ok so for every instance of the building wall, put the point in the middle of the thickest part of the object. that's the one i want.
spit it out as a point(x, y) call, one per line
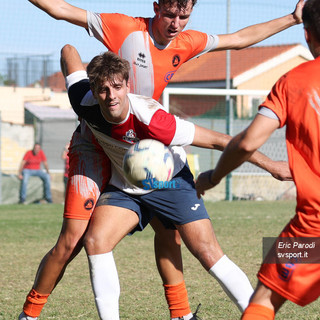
point(13, 99)
point(264, 81)
point(16, 139)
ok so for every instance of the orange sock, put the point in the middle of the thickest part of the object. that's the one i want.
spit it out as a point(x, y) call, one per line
point(177, 299)
point(34, 303)
point(257, 312)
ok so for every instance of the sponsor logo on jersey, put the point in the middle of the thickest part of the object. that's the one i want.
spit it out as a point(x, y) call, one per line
point(176, 60)
point(141, 61)
point(130, 137)
point(152, 184)
point(169, 76)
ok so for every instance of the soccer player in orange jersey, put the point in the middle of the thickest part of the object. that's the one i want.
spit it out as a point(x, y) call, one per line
point(155, 47)
point(294, 101)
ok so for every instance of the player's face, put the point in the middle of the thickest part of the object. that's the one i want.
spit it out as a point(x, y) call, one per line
point(113, 100)
point(169, 21)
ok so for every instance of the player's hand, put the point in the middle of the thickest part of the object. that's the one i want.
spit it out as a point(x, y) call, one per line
point(205, 181)
point(297, 13)
point(281, 171)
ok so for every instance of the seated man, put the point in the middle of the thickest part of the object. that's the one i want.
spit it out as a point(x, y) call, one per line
point(30, 166)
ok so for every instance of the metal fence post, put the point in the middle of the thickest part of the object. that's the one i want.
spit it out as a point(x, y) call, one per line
point(229, 106)
point(0, 162)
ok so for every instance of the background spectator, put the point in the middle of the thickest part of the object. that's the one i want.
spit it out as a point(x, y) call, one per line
point(31, 166)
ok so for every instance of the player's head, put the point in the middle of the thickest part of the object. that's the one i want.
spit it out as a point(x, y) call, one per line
point(107, 66)
point(171, 17)
point(180, 3)
point(311, 21)
point(108, 76)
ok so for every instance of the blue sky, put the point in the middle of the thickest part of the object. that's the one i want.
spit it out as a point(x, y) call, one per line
point(25, 29)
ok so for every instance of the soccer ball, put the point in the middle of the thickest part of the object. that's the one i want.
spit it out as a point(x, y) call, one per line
point(148, 161)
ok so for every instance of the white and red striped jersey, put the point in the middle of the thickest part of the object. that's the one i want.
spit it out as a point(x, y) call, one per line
point(146, 119)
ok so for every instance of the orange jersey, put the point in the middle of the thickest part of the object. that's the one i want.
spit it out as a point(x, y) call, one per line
point(295, 99)
point(152, 65)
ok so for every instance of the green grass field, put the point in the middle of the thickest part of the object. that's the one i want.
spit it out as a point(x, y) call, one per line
point(28, 232)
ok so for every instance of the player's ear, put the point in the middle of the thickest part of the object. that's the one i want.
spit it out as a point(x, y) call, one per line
point(156, 8)
point(128, 86)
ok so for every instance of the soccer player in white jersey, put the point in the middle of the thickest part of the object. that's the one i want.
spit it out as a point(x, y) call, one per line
point(166, 48)
point(111, 112)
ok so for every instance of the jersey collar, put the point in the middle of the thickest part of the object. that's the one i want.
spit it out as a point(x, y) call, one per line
point(157, 45)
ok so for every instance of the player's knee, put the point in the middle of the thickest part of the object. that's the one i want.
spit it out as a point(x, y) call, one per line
point(61, 254)
point(66, 249)
point(93, 245)
point(207, 254)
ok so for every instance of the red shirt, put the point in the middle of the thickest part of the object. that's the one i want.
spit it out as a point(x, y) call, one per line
point(33, 161)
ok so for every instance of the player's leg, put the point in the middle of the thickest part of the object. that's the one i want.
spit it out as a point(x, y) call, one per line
point(53, 265)
point(263, 304)
point(200, 239)
point(88, 173)
point(108, 226)
point(167, 245)
point(182, 207)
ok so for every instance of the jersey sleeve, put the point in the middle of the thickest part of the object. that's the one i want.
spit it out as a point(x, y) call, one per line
point(184, 134)
point(112, 28)
point(277, 100)
point(170, 129)
point(77, 84)
point(200, 42)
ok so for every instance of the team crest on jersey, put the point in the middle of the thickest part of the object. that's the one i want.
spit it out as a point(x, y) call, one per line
point(130, 137)
point(88, 204)
point(176, 60)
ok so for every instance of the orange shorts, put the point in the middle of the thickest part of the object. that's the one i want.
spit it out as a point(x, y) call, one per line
point(297, 282)
point(89, 172)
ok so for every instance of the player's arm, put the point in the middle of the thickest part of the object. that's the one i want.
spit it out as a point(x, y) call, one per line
point(70, 60)
point(206, 138)
point(243, 147)
point(258, 32)
point(61, 10)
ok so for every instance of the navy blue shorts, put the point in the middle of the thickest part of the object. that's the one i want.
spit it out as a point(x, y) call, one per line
point(176, 205)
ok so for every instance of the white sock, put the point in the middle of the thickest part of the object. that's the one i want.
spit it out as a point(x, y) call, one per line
point(233, 281)
point(23, 316)
point(105, 285)
point(187, 317)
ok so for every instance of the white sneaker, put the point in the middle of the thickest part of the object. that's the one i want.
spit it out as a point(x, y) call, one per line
point(23, 316)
